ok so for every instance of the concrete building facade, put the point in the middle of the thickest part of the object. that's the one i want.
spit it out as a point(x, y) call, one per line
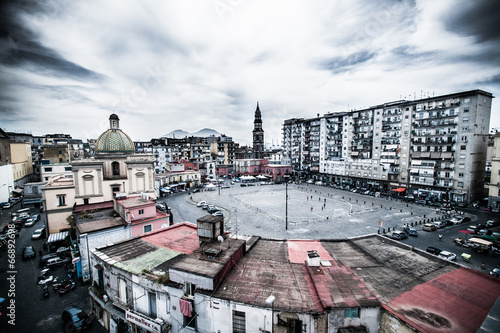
point(434, 146)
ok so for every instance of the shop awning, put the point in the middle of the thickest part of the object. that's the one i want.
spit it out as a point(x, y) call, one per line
point(401, 189)
point(57, 236)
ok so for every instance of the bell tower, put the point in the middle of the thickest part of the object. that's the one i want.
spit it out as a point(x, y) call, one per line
point(258, 134)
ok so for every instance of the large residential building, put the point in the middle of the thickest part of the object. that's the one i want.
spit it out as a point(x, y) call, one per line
point(433, 146)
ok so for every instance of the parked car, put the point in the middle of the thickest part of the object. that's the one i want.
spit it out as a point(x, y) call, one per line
point(43, 260)
point(29, 223)
point(7, 205)
point(429, 227)
point(433, 250)
point(398, 234)
point(411, 231)
point(492, 223)
point(420, 202)
point(212, 209)
point(75, 319)
point(448, 255)
point(495, 272)
point(457, 219)
point(57, 262)
point(439, 224)
point(29, 252)
point(35, 217)
point(435, 204)
point(38, 233)
point(218, 213)
point(63, 251)
point(201, 203)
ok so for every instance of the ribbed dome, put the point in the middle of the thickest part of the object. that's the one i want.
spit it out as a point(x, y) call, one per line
point(114, 140)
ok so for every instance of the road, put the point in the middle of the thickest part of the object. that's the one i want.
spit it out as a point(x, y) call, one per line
point(32, 312)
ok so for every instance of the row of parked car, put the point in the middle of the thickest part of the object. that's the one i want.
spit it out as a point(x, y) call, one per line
point(212, 209)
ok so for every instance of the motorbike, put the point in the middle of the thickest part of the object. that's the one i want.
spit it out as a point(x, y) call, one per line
point(56, 284)
point(71, 285)
point(45, 292)
point(43, 274)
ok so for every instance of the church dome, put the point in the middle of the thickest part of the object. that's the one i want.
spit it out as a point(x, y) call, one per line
point(114, 140)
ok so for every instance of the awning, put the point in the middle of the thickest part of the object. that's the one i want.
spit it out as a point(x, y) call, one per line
point(416, 162)
point(57, 236)
point(401, 189)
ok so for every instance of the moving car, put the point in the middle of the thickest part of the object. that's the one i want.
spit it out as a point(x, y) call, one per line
point(495, 272)
point(29, 252)
point(29, 223)
point(439, 224)
point(457, 219)
point(38, 233)
point(75, 319)
point(448, 255)
point(217, 213)
point(35, 217)
point(201, 203)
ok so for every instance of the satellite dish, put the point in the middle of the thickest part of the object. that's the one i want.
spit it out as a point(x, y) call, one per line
point(220, 239)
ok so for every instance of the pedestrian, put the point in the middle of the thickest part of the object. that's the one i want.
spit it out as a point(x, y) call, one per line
point(321, 208)
point(307, 198)
point(311, 209)
point(440, 236)
point(319, 199)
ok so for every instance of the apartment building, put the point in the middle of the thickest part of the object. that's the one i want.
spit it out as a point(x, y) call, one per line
point(434, 146)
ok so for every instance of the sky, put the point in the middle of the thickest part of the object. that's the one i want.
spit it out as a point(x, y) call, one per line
point(67, 65)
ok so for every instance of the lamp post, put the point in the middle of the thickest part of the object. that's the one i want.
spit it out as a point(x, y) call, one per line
point(270, 301)
point(286, 205)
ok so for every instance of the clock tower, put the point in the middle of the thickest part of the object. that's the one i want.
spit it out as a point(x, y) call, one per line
point(258, 135)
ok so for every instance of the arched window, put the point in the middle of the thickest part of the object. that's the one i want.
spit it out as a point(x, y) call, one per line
point(115, 167)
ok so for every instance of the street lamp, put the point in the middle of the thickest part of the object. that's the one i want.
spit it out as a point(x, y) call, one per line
point(270, 301)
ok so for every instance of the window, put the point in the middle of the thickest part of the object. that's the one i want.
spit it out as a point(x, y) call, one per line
point(461, 175)
point(465, 120)
point(62, 199)
point(67, 168)
point(115, 167)
point(238, 322)
point(351, 313)
point(463, 147)
point(147, 228)
point(152, 304)
point(293, 325)
point(460, 184)
point(122, 291)
point(141, 211)
point(47, 169)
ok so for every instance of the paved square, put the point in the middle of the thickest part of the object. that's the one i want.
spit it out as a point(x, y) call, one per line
point(314, 212)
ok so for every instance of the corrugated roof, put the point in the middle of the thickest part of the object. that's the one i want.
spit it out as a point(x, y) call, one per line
point(454, 302)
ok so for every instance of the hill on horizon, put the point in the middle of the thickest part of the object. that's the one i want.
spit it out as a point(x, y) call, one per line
point(179, 133)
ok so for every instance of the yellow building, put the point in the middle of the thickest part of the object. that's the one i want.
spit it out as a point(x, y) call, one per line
point(22, 166)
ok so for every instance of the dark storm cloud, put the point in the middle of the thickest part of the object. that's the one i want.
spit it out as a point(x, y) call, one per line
point(21, 48)
point(479, 18)
point(344, 64)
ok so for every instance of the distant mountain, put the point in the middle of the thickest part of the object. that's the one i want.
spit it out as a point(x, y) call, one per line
point(179, 134)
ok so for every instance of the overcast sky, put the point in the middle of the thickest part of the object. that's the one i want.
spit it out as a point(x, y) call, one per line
point(167, 65)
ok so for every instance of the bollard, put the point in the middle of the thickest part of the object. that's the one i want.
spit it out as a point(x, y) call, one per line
point(383, 230)
point(372, 203)
point(411, 213)
point(364, 202)
point(400, 210)
point(380, 206)
point(390, 208)
point(356, 200)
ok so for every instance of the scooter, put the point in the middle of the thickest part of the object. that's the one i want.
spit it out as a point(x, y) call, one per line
point(69, 286)
point(56, 284)
point(45, 292)
point(43, 274)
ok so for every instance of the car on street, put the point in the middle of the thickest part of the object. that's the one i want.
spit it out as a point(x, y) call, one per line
point(7, 205)
point(57, 262)
point(448, 255)
point(433, 250)
point(420, 202)
point(201, 203)
point(63, 251)
point(457, 219)
point(439, 224)
point(29, 252)
point(212, 209)
point(492, 223)
point(29, 223)
point(435, 204)
point(38, 233)
point(35, 217)
point(75, 319)
point(43, 260)
point(429, 227)
point(217, 213)
point(495, 272)
point(411, 231)
point(398, 234)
